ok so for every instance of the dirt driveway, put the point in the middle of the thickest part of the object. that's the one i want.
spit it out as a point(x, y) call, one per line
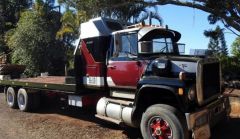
point(73, 123)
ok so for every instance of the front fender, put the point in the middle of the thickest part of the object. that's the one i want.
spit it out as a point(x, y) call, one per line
point(169, 89)
point(161, 88)
point(169, 84)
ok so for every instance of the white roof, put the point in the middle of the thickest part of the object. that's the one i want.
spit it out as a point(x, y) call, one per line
point(95, 27)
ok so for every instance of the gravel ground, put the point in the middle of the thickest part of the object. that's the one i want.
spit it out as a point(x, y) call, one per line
point(51, 122)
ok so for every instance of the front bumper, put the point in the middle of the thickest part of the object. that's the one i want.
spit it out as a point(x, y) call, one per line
point(200, 122)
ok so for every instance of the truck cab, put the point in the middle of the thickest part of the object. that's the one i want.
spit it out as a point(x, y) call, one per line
point(130, 52)
point(147, 82)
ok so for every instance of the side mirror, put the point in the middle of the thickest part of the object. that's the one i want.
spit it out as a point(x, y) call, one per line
point(145, 47)
point(181, 48)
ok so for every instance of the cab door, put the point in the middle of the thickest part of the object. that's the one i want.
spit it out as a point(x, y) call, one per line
point(124, 69)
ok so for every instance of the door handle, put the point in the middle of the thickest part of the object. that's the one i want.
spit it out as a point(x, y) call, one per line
point(111, 66)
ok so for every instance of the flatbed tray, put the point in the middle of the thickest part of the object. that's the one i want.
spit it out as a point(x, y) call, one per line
point(54, 83)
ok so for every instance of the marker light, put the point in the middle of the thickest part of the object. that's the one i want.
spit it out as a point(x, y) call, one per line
point(180, 91)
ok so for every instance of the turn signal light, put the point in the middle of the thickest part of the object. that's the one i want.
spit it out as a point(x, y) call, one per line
point(180, 91)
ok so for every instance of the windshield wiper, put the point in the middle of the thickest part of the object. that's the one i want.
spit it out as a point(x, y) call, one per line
point(162, 50)
point(130, 55)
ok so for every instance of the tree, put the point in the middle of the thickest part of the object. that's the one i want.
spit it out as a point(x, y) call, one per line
point(69, 29)
point(34, 44)
point(9, 15)
point(226, 11)
point(236, 48)
point(217, 43)
point(94, 8)
point(10, 11)
point(230, 65)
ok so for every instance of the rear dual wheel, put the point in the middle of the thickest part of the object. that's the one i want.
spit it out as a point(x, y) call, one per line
point(27, 101)
point(21, 99)
point(11, 97)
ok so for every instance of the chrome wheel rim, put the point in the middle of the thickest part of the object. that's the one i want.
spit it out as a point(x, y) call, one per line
point(159, 128)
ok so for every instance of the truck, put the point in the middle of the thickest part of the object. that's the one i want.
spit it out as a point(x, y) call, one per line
point(135, 75)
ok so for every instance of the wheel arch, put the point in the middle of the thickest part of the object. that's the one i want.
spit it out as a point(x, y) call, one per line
point(149, 95)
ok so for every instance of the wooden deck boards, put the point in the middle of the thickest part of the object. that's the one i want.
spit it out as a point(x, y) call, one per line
point(46, 80)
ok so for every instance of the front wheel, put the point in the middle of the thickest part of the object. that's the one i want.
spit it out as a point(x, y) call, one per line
point(162, 122)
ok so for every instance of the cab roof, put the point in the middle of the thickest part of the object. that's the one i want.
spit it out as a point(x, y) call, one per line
point(147, 32)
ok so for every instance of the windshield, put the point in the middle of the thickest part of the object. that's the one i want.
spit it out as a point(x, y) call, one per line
point(162, 45)
point(157, 45)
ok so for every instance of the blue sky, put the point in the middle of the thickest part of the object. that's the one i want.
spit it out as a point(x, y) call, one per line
point(191, 23)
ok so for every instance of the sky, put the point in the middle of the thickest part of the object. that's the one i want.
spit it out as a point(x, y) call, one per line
point(191, 23)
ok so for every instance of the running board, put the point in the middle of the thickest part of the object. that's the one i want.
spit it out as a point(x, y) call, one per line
point(109, 119)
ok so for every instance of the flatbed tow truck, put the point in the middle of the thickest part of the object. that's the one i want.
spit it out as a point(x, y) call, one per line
point(135, 76)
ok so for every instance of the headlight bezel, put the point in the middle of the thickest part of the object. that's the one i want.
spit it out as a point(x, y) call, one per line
point(192, 93)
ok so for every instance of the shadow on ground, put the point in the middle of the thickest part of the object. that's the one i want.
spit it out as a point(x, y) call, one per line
point(227, 129)
point(86, 114)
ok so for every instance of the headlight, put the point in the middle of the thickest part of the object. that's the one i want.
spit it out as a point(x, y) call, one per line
point(161, 67)
point(192, 93)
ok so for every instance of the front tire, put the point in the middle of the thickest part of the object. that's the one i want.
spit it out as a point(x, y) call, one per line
point(162, 122)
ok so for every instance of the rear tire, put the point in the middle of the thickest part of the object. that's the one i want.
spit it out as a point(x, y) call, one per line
point(163, 121)
point(24, 100)
point(11, 97)
point(28, 101)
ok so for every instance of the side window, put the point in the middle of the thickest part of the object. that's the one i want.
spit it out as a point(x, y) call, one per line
point(127, 46)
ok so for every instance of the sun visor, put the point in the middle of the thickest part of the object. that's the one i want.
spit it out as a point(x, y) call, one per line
point(148, 33)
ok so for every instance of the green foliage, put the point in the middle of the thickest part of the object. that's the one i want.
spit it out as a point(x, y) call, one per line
point(106, 8)
point(217, 43)
point(230, 67)
point(29, 42)
point(222, 7)
point(69, 29)
point(9, 15)
point(35, 46)
point(236, 48)
point(3, 46)
point(10, 10)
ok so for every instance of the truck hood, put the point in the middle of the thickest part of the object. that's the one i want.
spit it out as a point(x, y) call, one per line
point(177, 64)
